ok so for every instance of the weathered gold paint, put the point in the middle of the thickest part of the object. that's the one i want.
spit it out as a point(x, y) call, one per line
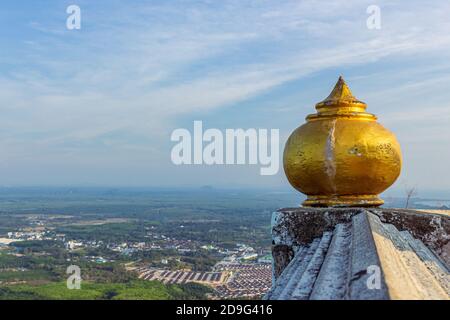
point(342, 156)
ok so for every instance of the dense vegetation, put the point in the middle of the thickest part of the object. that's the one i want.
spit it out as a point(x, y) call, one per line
point(45, 268)
point(134, 290)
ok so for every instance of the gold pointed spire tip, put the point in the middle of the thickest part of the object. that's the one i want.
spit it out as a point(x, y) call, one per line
point(340, 91)
point(341, 94)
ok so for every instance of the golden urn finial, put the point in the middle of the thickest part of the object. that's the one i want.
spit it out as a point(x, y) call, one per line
point(341, 156)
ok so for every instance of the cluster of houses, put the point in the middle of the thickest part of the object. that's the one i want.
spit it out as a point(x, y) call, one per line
point(181, 276)
point(245, 281)
point(29, 235)
point(230, 280)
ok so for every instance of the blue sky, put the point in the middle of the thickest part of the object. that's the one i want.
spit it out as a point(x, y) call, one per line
point(97, 106)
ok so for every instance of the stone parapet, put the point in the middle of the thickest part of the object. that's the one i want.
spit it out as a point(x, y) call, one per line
point(360, 253)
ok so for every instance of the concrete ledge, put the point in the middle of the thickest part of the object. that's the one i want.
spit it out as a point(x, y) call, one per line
point(326, 253)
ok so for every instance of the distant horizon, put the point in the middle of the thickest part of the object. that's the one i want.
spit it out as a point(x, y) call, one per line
point(390, 193)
